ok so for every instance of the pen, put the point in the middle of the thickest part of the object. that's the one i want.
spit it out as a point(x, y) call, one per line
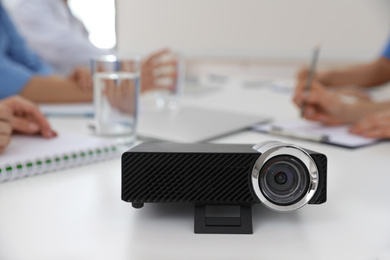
point(311, 74)
point(304, 136)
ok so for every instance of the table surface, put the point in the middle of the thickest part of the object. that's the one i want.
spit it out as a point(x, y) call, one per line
point(78, 213)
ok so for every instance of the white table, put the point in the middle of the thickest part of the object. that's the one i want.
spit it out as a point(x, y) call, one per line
point(78, 213)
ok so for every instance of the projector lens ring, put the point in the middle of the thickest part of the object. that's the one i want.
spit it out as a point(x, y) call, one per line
point(284, 177)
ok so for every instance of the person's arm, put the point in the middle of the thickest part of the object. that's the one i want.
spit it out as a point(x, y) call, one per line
point(17, 50)
point(349, 81)
point(331, 108)
point(54, 89)
point(365, 75)
point(376, 125)
point(368, 119)
point(17, 79)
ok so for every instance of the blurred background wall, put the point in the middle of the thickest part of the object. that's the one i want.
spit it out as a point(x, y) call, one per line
point(347, 29)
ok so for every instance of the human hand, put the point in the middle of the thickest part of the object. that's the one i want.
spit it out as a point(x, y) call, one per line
point(82, 76)
point(26, 117)
point(376, 125)
point(5, 127)
point(355, 93)
point(328, 107)
point(159, 71)
point(300, 86)
point(322, 77)
point(120, 97)
point(351, 92)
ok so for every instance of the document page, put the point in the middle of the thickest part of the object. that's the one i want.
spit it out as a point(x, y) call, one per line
point(302, 129)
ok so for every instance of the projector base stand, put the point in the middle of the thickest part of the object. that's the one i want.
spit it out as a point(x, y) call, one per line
point(223, 225)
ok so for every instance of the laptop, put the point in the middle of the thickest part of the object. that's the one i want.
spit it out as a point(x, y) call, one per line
point(193, 124)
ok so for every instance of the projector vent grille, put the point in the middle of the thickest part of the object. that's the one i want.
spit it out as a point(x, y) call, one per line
point(188, 178)
point(321, 162)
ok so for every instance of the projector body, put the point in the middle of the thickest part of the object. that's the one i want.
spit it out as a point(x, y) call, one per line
point(283, 177)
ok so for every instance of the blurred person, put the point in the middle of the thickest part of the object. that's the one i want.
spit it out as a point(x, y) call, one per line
point(61, 39)
point(336, 97)
point(52, 31)
point(366, 75)
point(367, 118)
point(23, 72)
point(22, 116)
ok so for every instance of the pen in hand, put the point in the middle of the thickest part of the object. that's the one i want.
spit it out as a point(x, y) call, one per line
point(310, 75)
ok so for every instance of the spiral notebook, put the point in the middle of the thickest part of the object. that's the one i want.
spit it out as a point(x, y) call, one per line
point(32, 155)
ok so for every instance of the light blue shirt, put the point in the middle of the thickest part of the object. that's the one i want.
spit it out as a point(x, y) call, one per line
point(17, 62)
point(386, 52)
point(49, 28)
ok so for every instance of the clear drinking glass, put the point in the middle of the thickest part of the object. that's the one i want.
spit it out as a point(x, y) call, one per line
point(116, 83)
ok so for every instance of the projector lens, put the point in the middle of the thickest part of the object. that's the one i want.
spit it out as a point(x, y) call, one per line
point(280, 178)
point(284, 180)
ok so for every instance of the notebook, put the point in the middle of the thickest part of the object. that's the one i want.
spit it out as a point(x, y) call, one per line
point(33, 155)
point(193, 124)
point(317, 132)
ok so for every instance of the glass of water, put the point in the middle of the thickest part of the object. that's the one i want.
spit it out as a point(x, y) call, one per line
point(116, 83)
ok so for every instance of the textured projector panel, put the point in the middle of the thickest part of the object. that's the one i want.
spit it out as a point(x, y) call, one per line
point(321, 162)
point(188, 177)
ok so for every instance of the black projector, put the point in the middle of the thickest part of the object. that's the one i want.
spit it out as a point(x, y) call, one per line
point(283, 177)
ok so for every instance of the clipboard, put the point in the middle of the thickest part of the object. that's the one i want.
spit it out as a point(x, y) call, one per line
point(316, 132)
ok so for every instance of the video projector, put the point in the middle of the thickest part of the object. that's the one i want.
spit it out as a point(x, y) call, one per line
point(283, 177)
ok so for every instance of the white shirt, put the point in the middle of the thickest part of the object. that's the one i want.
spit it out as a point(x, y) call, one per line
point(54, 33)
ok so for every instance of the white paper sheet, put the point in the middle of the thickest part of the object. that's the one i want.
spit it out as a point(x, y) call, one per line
point(302, 129)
